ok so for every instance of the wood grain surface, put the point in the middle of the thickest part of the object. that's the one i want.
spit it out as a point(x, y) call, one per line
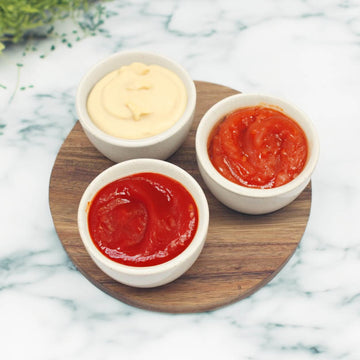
point(242, 252)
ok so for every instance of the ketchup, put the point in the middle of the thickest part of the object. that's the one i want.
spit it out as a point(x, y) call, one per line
point(143, 219)
point(258, 147)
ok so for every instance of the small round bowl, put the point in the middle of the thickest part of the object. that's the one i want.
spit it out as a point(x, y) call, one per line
point(155, 275)
point(250, 200)
point(160, 146)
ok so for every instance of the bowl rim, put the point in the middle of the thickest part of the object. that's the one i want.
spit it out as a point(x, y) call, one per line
point(135, 166)
point(142, 56)
point(228, 104)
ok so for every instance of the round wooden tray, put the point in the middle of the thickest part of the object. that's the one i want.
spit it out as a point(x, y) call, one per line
point(242, 253)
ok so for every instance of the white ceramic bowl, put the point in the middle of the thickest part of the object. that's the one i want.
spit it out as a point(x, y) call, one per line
point(241, 198)
point(156, 275)
point(160, 146)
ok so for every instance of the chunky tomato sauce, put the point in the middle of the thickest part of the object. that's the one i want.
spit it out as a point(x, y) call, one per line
point(258, 147)
point(143, 219)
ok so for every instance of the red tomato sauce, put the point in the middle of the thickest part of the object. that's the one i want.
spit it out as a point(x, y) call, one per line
point(258, 147)
point(143, 219)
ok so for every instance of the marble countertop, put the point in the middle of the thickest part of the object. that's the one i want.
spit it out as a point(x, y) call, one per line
point(305, 51)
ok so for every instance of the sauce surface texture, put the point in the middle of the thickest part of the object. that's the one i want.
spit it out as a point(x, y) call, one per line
point(258, 147)
point(143, 219)
point(137, 101)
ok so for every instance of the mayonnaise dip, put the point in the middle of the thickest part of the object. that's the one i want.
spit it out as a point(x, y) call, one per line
point(137, 101)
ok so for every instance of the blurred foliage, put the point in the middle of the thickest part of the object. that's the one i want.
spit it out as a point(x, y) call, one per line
point(19, 17)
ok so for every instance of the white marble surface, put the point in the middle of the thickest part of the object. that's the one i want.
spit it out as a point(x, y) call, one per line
point(307, 51)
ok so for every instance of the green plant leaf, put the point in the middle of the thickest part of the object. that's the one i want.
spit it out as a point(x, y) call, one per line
point(18, 17)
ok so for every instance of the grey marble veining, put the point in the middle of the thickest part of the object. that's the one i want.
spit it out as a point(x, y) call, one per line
point(306, 51)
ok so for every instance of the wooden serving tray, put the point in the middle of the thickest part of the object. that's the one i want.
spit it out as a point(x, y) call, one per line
point(242, 252)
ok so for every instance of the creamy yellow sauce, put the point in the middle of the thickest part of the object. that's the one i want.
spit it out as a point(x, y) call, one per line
point(137, 101)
